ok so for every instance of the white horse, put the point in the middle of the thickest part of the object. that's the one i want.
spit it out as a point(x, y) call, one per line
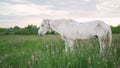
point(71, 30)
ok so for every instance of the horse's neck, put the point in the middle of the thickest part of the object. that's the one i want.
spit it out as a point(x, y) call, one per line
point(55, 26)
point(59, 24)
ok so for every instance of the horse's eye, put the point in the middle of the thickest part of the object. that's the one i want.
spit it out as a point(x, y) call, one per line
point(42, 25)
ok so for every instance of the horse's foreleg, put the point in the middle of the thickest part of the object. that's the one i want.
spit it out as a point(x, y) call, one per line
point(66, 46)
point(69, 45)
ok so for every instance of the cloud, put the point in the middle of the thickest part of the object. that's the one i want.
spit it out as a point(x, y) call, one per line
point(109, 8)
point(60, 8)
point(21, 22)
point(19, 1)
point(109, 21)
point(30, 11)
point(23, 9)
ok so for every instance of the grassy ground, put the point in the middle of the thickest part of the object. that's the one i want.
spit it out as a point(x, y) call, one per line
point(20, 51)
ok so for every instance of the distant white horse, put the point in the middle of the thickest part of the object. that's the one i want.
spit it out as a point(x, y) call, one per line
point(71, 30)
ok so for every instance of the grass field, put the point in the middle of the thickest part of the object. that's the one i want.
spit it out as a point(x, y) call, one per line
point(32, 51)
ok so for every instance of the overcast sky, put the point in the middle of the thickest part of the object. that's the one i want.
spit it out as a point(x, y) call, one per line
point(24, 12)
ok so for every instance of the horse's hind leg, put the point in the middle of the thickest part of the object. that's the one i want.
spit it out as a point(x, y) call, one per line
point(102, 45)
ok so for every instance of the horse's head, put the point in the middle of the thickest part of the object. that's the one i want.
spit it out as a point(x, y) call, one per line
point(44, 27)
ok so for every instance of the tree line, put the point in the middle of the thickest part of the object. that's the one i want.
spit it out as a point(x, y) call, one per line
point(33, 30)
point(16, 30)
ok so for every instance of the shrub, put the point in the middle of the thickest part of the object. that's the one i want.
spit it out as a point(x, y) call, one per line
point(115, 30)
point(21, 31)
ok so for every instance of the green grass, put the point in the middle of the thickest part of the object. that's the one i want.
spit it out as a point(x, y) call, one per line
point(32, 51)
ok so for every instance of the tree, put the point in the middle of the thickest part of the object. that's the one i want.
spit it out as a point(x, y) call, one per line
point(16, 27)
point(31, 29)
point(116, 29)
point(2, 29)
point(21, 31)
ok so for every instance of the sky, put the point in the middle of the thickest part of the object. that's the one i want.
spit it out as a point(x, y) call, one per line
point(24, 12)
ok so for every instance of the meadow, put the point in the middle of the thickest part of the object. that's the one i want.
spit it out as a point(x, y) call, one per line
point(32, 51)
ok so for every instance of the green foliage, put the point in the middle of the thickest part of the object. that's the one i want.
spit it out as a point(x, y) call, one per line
point(29, 30)
point(116, 29)
point(32, 30)
point(8, 31)
point(16, 28)
point(2, 29)
point(21, 32)
point(31, 51)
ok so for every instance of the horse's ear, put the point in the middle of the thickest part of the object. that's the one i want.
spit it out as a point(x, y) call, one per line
point(45, 19)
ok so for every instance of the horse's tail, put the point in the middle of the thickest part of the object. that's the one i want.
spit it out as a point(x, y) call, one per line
point(109, 37)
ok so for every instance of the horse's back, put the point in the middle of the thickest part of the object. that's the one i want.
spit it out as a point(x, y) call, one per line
point(98, 24)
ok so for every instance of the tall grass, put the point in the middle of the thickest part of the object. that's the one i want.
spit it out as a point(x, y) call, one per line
point(20, 51)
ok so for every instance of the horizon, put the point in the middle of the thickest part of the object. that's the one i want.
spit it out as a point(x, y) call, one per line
point(36, 22)
point(23, 12)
